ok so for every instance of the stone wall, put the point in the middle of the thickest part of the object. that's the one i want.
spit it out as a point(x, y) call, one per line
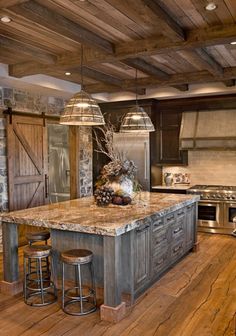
point(86, 163)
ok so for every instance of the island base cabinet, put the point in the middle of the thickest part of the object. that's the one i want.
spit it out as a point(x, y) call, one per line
point(159, 244)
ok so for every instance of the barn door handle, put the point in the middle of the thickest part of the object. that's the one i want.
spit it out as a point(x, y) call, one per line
point(46, 185)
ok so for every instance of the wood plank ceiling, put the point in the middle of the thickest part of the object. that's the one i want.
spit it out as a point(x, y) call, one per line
point(170, 42)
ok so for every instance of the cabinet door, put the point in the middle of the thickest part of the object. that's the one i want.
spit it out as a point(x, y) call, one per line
point(167, 138)
point(190, 226)
point(142, 256)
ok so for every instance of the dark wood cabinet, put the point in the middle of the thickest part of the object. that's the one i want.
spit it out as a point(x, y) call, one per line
point(165, 140)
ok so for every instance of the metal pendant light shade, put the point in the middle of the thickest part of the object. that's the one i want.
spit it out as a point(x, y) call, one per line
point(136, 120)
point(82, 109)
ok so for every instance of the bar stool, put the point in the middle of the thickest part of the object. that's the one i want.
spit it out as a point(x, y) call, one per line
point(39, 288)
point(33, 237)
point(39, 236)
point(78, 300)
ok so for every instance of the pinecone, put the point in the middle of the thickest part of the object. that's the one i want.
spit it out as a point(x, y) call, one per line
point(103, 195)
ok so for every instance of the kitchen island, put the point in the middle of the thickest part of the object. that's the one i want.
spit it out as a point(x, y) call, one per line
point(133, 245)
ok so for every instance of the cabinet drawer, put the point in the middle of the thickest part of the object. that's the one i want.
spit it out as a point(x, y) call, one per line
point(177, 229)
point(160, 238)
point(177, 249)
point(161, 260)
point(158, 224)
point(170, 218)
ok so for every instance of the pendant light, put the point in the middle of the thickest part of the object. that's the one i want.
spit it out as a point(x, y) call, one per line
point(136, 120)
point(82, 109)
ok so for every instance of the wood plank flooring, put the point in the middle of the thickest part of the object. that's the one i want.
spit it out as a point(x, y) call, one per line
point(196, 298)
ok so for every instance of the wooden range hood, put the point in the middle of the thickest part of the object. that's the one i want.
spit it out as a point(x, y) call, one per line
point(208, 130)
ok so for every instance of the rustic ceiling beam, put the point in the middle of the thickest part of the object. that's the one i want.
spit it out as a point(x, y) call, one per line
point(181, 87)
point(100, 76)
point(176, 79)
point(168, 26)
point(24, 49)
point(61, 25)
point(212, 66)
point(145, 67)
point(201, 60)
point(9, 3)
point(196, 38)
point(152, 46)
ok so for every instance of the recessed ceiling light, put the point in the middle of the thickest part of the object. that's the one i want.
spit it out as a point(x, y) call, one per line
point(5, 19)
point(67, 73)
point(211, 6)
point(233, 42)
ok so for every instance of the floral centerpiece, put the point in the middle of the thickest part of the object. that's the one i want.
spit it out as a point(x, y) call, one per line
point(117, 178)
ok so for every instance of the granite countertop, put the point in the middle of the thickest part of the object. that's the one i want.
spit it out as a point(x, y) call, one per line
point(83, 215)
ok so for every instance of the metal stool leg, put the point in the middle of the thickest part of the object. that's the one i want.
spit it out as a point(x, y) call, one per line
point(93, 284)
point(63, 286)
point(80, 290)
point(41, 279)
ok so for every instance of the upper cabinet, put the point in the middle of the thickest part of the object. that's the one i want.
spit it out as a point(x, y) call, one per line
point(165, 140)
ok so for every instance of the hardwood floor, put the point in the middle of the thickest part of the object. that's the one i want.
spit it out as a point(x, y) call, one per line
point(196, 298)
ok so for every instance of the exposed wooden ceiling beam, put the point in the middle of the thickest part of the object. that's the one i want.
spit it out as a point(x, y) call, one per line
point(104, 78)
point(145, 67)
point(181, 87)
point(195, 39)
point(213, 66)
point(168, 26)
point(9, 3)
point(61, 25)
point(201, 60)
point(176, 79)
point(25, 49)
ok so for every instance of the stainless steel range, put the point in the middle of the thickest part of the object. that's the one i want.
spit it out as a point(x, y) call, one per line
point(217, 207)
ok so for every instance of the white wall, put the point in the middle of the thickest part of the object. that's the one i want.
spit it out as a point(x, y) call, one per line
point(209, 167)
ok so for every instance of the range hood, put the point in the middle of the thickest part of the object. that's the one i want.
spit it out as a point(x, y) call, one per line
point(214, 130)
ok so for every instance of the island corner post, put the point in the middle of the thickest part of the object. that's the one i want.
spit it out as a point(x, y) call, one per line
point(11, 283)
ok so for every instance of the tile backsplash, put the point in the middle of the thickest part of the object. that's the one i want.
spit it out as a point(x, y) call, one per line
point(208, 167)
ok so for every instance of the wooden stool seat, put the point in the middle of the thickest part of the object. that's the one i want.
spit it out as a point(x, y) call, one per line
point(37, 251)
point(77, 256)
point(33, 237)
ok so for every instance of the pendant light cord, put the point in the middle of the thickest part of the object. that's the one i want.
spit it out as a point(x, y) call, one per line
point(81, 66)
point(136, 86)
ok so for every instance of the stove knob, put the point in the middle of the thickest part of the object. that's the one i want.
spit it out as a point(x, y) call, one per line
point(213, 196)
point(228, 197)
point(233, 197)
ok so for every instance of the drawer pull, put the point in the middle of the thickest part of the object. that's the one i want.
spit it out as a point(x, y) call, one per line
point(178, 230)
point(143, 228)
point(176, 249)
point(170, 218)
point(181, 213)
point(160, 262)
point(158, 223)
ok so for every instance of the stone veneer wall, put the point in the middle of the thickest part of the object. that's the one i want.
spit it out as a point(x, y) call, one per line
point(86, 162)
point(209, 167)
point(24, 101)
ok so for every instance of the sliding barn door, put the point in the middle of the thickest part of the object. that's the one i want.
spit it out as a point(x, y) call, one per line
point(27, 164)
